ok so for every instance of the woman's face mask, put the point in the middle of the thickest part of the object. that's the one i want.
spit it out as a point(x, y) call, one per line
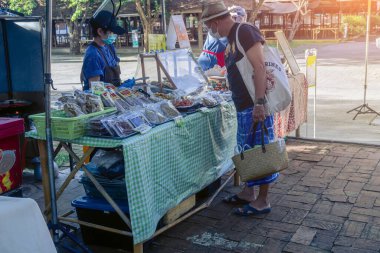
point(111, 38)
point(215, 34)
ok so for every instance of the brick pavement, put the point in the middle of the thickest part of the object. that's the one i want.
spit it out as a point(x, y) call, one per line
point(327, 201)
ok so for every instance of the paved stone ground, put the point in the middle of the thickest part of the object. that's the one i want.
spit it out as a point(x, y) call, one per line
point(327, 201)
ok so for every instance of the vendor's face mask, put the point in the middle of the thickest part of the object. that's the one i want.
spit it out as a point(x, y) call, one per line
point(215, 34)
point(110, 39)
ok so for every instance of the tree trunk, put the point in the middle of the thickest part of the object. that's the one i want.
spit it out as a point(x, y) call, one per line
point(145, 22)
point(75, 31)
point(295, 26)
point(74, 37)
point(257, 7)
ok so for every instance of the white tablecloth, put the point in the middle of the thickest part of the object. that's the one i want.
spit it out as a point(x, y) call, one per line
point(23, 228)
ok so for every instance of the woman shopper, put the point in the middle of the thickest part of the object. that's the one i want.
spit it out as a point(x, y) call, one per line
point(219, 23)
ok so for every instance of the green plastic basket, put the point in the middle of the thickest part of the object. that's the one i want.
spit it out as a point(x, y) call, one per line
point(63, 127)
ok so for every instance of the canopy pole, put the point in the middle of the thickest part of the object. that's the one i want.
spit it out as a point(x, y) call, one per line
point(364, 108)
point(49, 140)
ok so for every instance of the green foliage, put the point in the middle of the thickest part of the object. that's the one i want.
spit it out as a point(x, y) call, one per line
point(357, 24)
point(78, 7)
point(24, 6)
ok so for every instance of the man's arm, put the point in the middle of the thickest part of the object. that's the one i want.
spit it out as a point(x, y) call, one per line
point(256, 57)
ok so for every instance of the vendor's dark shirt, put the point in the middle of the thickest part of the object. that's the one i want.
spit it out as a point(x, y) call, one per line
point(248, 36)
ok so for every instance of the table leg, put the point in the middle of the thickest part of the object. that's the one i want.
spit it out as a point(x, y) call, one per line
point(138, 248)
point(45, 173)
point(70, 158)
point(237, 181)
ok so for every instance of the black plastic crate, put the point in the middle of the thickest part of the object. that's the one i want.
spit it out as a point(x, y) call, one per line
point(99, 211)
point(116, 188)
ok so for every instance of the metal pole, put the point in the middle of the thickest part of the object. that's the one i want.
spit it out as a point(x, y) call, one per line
point(163, 15)
point(315, 100)
point(49, 139)
point(366, 50)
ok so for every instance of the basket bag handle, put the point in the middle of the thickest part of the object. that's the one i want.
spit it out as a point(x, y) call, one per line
point(253, 131)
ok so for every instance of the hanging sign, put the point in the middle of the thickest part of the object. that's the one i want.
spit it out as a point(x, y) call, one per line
point(311, 66)
point(177, 32)
point(157, 42)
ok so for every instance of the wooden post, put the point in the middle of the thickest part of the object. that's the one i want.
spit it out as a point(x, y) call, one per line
point(237, 181)
point(200, 31)
point(298, 132)
point(45, 174)
point(138, 248)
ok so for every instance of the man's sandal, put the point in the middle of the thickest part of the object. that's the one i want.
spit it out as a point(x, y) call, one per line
point(248, 210)
point(234, 199)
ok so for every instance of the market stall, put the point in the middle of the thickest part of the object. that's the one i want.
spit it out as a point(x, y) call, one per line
point(184, 158)
point(174, 142)
point(176, 135)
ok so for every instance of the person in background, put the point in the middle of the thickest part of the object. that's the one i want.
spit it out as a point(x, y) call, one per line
point(238, 14)
point(213, 49)
point(212, 53)
point(220, 23)
point(100, 61)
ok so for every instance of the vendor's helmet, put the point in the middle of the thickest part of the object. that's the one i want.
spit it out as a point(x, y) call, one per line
point(105, 16)
point(106, 20)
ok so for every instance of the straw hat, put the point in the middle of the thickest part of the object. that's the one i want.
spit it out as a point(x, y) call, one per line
point(211, 10)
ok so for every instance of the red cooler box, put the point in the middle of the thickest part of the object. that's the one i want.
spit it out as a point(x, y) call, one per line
point(10, 157)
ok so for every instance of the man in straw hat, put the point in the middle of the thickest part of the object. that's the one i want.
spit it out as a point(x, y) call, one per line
point(219, 23)
point(213, 49)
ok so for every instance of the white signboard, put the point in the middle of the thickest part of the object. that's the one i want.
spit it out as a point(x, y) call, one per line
point(288, 52)
point(177, 32)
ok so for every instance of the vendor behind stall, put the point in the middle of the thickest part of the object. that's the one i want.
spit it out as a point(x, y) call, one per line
point(214, 47)
point(100, 60)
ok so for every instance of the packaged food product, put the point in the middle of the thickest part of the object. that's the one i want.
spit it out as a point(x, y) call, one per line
point(67, 99)
point(123, 128)
point(163, 96)
point(109, 86)
point(72, 110)
point(169, 110)
point(110, 124)
point(135, 118)
point(96, 122)
point(154, 117)
point(182, 102)
point(209, 101)
point(107, 100)
point(93, 103)
point(217, 96)
point(97, 88)
point(227, 95)
point(120, 104)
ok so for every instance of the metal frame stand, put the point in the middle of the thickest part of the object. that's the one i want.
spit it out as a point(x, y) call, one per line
point(49, 178)
point(78, 164)
point(364, 108)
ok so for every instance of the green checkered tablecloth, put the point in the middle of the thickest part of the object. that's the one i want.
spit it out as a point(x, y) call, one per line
point(172, 162)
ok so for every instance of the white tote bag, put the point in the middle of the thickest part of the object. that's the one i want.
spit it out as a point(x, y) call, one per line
point(278, 93)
